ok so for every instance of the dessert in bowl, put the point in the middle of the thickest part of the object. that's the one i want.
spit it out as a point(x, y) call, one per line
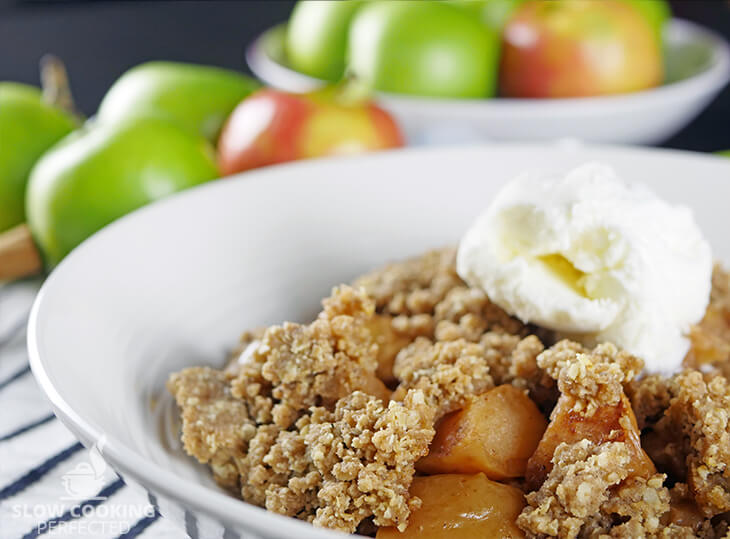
point(236, 265)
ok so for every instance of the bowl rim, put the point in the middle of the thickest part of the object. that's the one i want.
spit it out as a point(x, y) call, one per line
point(714, 76)
point(128, 462)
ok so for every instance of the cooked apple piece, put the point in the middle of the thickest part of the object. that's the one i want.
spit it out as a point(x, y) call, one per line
point(389, 344)
point(496, 433)
point(683, 510)
point(615, 423)
point(374, 386)
point(457, 506)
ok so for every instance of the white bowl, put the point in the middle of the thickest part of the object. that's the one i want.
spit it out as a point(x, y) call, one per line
point(175, 283)
point(697, 67)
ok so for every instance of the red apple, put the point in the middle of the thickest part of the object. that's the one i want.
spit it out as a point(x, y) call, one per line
point(271, 127)
point(578, 48)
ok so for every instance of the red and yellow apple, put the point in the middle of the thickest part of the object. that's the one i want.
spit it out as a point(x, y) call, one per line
point(578, 48)
point(271, 127)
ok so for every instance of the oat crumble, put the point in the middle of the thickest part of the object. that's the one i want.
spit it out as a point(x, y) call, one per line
point(325, 421)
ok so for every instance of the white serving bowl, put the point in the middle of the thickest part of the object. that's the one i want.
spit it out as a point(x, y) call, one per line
point(697, 67)
point(175, 283)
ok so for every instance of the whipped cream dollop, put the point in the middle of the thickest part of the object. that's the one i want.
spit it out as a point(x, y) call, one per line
point(594, 258)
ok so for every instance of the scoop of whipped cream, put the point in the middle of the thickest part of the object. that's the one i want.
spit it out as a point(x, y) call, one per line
point(595, 259)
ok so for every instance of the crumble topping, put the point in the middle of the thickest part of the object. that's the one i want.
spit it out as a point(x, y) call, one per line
point(302, 420)
point(446, 372)
point(591, 379)
point(426, 297)
point(300, 424)
point(688, 434)
point(586, 488)
point(710, 338)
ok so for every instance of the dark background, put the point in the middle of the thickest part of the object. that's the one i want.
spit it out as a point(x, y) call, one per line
point(99, 40)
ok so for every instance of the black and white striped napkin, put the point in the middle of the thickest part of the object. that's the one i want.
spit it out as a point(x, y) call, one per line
point(50, 486)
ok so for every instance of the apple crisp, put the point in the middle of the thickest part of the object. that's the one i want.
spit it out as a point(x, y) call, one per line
point(326, 421)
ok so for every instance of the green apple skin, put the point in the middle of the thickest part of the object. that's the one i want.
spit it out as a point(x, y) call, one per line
point(431, 49)
point(29, 126)
point(102, 172)
point(316, 37)
point(657, 12)
point(493, 13)
point(496, 13)
point(198, 98)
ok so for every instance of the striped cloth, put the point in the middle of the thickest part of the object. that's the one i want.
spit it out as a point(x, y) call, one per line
point(50, 486)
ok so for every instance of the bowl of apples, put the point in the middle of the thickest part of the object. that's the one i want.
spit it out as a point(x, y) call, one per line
point(613, 71)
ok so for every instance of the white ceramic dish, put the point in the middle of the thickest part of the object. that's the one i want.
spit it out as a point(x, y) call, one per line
point(698, 67)
point(175, 283)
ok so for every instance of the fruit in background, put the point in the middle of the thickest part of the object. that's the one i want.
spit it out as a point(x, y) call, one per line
point(496, 13)
point(316, 37)
point(29, 126)
point(493, 13)
point(196, 97)
point(575, 48)
point(423, 48)
point(726, 153)
point(273, 127)
point(102, 172)
point(657, 12)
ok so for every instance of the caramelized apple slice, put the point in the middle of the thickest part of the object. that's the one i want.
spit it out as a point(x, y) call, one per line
point(495, 433)
point(683, 510)
point(615, 423)
point(374, 386)
point(389, 344)
point(459, 506)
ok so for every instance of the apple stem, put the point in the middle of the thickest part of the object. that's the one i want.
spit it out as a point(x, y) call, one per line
point(56, 88)
point(351, 91)
point(19, 257)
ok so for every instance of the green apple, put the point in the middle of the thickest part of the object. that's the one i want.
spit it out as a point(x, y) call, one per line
point(423, 48)
point(29, 126)
point(104, 171)
point(493, 13)
point(198, 98)
point(316, 37)
point(496, 13)
point(657, 12)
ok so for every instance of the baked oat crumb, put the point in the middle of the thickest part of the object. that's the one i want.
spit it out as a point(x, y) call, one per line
point(300, 421)
point(427, 298)
point(447, 373)
point(295, 429)
point(586, 495)
point(318, 363)
point(685, 418)
point(592, 378)
point(710, 339)
point(701, 411)
point(574, 491)
point(366, 457)
point(413, 286)
point(216, 426)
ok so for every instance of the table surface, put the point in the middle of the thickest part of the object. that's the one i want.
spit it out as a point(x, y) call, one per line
point(98, 41)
